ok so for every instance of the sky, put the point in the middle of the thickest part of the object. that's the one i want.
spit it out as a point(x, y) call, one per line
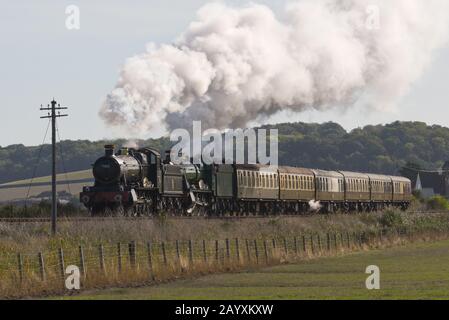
point(42, 59)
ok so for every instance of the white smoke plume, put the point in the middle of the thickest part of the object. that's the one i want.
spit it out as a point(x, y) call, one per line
point(131, 144)
point(314, 205)
point(236, 64)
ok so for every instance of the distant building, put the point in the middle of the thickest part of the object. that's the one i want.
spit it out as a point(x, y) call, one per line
point(429, 183)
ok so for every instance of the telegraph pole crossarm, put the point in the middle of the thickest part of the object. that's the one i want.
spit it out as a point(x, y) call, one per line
point(55, 107)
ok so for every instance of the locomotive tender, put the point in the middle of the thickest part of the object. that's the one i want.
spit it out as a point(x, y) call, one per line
point(139, 182)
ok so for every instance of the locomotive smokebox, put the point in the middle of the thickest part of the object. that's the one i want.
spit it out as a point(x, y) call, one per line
point(109, 150)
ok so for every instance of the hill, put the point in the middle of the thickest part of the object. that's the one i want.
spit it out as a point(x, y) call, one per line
point(376, 149)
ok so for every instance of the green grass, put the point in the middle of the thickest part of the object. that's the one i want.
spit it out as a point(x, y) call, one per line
point(18, 189)
point(15, 193)
point(416, 271)
point(75, 175)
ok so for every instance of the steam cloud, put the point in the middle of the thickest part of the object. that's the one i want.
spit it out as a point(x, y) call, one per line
point(236, 64)
point(314, 205)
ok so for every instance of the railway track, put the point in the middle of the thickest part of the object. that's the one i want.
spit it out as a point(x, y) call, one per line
point(172, 217)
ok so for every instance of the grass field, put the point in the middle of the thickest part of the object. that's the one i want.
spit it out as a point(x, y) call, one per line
point(75, 175)
point(17, 190)
point(416, 271)
point(11, 194)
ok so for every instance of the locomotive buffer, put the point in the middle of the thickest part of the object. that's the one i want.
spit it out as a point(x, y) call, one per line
point(53, 113)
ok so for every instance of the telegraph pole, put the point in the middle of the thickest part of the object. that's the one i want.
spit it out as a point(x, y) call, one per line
point(55, 107)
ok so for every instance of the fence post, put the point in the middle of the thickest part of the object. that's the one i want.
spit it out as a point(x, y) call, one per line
point(319, 243)
point(164, 254)
point(328, 239)
point(248, 253)
point(228, 250)
point(82, 262)
point(190, 251)
point(216, 250)
point(150, 259)
point(40, 257)
point(295, 244)
point(61, 263)
point(348, 240)
point(101, 257)
point(132, 253)
point(237, 249)
point(20, 265)
point(312, 246)
point(119, 257)
point(304, 244)
point(285, 247)
point(274, 243)
point(204, 251)
point(178, 255)
point(265, 250)
point(336, 240)
point(256, 251)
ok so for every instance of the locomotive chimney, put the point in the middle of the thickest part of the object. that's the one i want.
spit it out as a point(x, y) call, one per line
point(109, 150)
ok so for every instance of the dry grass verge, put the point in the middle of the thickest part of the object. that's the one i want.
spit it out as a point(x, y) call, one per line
point(130, 252)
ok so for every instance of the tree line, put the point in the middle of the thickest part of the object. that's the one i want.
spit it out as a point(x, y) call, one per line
point(374, 148)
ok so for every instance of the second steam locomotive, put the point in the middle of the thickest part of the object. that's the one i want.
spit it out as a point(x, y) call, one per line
point(139, 182)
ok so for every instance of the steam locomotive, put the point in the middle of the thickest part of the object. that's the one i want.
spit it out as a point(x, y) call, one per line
point(138, 182)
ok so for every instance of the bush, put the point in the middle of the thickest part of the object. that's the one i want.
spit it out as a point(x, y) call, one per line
point(391, 219)
point(438, 203)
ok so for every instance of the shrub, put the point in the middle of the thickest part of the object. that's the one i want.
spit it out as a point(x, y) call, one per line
point(391, 219)
point(438, 203)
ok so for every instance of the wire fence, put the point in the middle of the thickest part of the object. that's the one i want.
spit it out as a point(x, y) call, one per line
point(108, 264)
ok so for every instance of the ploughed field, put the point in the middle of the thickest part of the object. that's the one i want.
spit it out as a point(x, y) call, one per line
point(414, 271)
